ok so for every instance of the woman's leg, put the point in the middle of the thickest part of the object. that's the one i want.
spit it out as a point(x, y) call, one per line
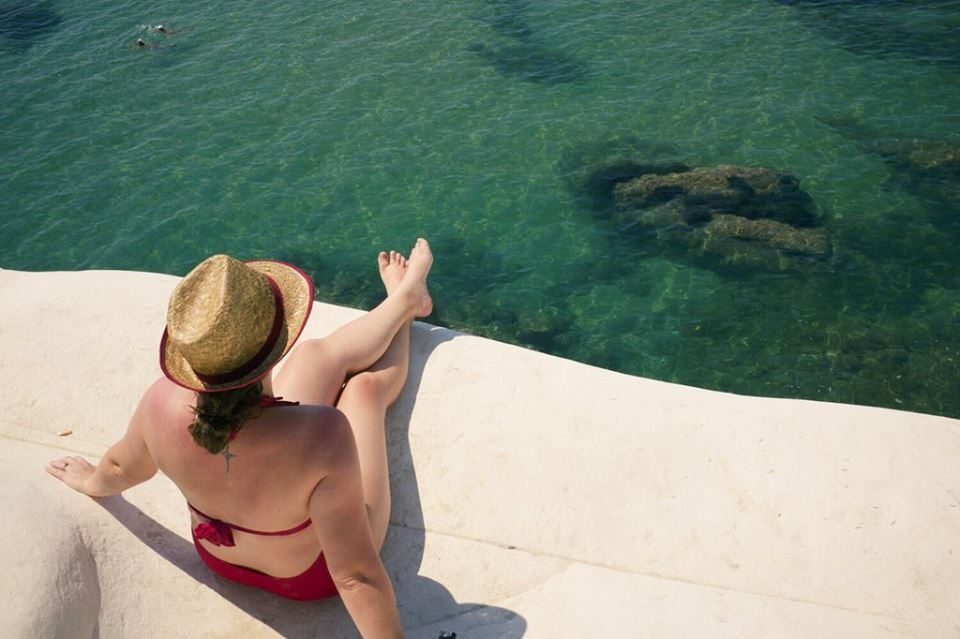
point(364, 401)
point(316, 369)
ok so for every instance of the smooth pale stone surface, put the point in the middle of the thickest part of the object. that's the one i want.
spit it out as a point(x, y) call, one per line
point(46, 562)
point(533, 497)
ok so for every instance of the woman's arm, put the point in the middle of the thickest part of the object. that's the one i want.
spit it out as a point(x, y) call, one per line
point(339, 517)
point(127, 463)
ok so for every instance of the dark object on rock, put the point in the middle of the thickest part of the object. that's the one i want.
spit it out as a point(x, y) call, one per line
point(749, 192)
point(447, 635)
point(24, 22)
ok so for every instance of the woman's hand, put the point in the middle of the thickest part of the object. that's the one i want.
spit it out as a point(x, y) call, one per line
point(125, 464)
point(75, 472)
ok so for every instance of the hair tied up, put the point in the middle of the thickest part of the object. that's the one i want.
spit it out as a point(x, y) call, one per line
point(219, 415)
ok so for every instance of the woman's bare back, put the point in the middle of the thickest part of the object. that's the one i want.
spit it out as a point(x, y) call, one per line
point(275, 463)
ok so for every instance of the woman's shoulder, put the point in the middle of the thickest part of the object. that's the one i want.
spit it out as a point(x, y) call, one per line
point(166, 404)
point(163, 393)
point(306, 422)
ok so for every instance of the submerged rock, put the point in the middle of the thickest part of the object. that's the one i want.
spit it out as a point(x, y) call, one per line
point(530, 62)
point(777, 235)
point(932, 156)
point(928, 168)
point(747, 216)
point(23, 22)
point(726, 214)
point(592, 171)
point(927, 155)
point(749, 192)
point(600, 184)
point(923, 30)
point(515, 50)
point(508, 18)
point(732, 240)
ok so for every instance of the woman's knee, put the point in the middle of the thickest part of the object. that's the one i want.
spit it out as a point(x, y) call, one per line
point(313, 353)
point(309, 348)
point(381, 387)
point(366, 385)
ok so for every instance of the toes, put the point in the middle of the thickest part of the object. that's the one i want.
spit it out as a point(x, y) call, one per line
point(393, 258)
point(420, 246)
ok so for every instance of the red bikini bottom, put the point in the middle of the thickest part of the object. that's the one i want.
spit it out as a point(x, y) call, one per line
point(314, 583)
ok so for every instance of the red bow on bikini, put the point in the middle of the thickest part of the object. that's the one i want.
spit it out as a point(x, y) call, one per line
point(216, 532)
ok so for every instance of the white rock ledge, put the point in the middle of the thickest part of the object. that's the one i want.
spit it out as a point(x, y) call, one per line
point(533, 497)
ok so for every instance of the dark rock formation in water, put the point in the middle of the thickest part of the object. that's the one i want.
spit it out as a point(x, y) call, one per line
point(592, 171)
point(920, 29)
point(509, 18)
point(933, 157)
point(24, 22)
point(927, 168)
point(717, 216)
point(530, 62)
point(745, 216)
point(749, 192)
point(601, 183)
point(776, 235)
point(515, 52)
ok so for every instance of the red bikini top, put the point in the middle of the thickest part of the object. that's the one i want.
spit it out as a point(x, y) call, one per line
point(220, 533)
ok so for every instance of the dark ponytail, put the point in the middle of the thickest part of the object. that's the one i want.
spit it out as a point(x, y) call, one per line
point(219, 415)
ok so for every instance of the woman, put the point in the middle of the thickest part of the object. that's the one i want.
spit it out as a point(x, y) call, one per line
point(285, 476)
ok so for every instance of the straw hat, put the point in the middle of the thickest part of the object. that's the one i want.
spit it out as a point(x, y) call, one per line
point(229, 322)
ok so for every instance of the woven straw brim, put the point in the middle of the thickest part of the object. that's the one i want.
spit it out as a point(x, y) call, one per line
point(296, 289)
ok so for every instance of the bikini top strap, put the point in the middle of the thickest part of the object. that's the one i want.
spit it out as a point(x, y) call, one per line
point(267, 401)
point(278, 533)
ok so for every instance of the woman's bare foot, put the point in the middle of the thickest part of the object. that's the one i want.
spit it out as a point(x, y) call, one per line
point(409, 277)
point(393, 267)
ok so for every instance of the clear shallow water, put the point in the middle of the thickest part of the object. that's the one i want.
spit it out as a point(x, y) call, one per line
point(321, 136)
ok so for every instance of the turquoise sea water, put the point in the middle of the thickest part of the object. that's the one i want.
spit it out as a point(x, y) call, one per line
point(319, 134)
